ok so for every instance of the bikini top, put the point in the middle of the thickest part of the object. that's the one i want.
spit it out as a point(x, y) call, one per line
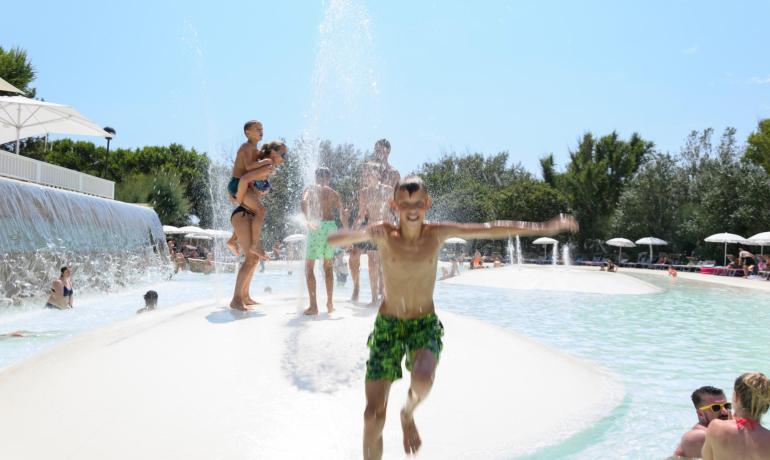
point(748, 423)
point(66, 292)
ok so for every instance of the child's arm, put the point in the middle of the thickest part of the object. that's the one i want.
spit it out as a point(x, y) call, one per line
point(347, 237)
point(303, 206)
point(252, 165)
point(504, 228)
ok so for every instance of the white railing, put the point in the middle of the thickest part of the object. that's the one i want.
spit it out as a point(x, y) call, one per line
point(27, 169)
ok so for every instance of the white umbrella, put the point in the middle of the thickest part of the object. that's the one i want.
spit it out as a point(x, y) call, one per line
point(761, 240)
point(651, 241)
point(217, 233)
point(9, 88)
point(197, 236)
point(21, 117)
point(621, 243)
point(545, 241)
point(455, 240)
point(725, 238)
point(293, 238)
point(191, 229)
point(171, 230)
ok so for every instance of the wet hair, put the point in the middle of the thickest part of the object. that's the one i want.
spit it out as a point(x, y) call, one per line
point(249, 124)
point(697, 395)
point(64, 269)
point(411, 184)
point(151, 296)
point(753, 391)
point(322, 172)
point(268, 148)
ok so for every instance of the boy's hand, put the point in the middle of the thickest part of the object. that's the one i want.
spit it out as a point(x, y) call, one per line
point(562, 223)
point(311, 225)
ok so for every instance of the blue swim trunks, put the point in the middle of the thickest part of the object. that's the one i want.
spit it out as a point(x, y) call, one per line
point(232, 186)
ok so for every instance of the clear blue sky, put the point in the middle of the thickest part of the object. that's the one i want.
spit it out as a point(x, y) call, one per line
point(527, 77)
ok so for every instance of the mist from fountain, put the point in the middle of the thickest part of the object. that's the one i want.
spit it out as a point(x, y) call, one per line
point(555, 254)
point(519, 258)
point(565, 255)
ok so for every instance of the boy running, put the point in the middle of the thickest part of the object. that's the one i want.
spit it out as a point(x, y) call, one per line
point(407, 323)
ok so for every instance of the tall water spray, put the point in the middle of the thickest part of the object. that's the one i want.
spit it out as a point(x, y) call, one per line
point(519, 258)
point(565, 255)
point(555, 254)
point(345, 93)
point(511, 250)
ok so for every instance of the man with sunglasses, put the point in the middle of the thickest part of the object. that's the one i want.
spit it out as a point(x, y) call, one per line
point(710, 404)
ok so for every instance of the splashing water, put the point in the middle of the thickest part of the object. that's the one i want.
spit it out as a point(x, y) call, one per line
point(565, 255)
point(555, 254)
point(519, 258)
point(107, 243)
point(511, 251)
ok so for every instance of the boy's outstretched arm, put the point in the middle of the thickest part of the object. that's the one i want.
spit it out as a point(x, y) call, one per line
point(504, 228)
point(348, 237)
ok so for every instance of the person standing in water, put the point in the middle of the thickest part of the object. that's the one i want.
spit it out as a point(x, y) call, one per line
point(407, 324)
point(318, 204)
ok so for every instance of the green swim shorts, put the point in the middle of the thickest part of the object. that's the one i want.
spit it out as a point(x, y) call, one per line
point(317, 246)
point(393, 338)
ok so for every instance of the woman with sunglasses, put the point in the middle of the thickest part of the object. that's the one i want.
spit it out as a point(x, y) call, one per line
point(743, 437)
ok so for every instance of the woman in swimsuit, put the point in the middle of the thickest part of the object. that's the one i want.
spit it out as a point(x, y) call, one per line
point(61, 291)
point(743, 436)
point(247, 229)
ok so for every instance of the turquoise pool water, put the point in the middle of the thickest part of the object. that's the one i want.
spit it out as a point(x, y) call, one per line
point(662, 346)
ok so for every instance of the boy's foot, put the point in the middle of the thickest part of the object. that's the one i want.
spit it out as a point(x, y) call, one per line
point(233, 247)
point(250, 301)
point(330, 308)
point(311, 311)
point(412, 441)
point(354, 297)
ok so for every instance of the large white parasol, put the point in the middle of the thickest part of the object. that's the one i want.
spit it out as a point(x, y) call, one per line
point(651, 241)
point(545, 241)
point(725, 238)
point(621, 243)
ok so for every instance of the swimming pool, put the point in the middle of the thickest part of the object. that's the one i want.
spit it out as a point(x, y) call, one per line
point(661, 345)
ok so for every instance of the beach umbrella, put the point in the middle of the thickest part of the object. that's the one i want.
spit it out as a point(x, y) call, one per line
point(651, 241)
point(198, 236)
point(545, 241)
point(217, 233)
point(761, 240)
point(171, 230)
point(455, 240)
point(9, 88)
point(190, 229)
point(294, 238)
point(621, 243)
point(725, 238)
point(21, 117)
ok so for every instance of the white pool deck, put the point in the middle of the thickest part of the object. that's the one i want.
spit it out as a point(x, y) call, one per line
point(199, 381)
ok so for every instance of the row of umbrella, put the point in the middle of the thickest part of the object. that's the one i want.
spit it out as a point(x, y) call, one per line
point(760, 239)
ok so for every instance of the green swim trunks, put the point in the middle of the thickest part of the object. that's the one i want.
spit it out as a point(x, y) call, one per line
point(393, 338)
point(317, 246)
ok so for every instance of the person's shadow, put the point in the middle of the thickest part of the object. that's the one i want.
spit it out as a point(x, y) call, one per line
point(228, 315)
